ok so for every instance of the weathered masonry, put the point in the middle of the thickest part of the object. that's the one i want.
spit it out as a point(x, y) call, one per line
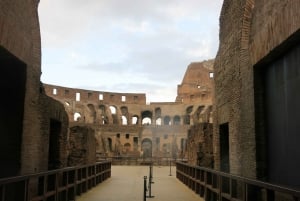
point(125, 125)
point(33, 126)
point(257, 102)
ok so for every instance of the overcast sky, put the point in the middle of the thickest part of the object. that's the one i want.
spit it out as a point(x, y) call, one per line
point(130, 46)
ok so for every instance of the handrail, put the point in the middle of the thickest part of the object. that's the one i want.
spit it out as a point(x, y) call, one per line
point(134, 160)
point(57, 185)
point(215, 185)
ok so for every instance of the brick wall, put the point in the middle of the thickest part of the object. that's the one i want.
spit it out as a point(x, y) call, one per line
point(250, 31)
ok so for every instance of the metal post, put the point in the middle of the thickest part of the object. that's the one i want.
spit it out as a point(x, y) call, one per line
point(150, 182)
point(145, 188)
point(170, 168)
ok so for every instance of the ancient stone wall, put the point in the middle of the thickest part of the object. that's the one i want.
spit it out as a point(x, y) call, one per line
point(23, 119)
point(126, 126)
point(252, 32)
point(82, 146)
point(197, 83)
point(199, 145)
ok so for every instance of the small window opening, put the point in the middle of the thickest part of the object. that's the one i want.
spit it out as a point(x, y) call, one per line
point(127, 136)
point(123, 98)
point(77, 96)
point(77, 116)
point(54, 91)
point(124, 120)
point(134, 120)
point(113, 109)
point(211, 75)
point(100, 96)
point(118, 135)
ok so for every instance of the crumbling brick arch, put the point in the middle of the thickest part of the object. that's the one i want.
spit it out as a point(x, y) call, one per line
point(103, 114)
point(127, 148)
point(114, 114)
point(167, 120)
point(176, 120)
point(125, 115)
point(135, 119)
point(187, 117)
point(147, 147)
point(91, 116)
point(147, 117)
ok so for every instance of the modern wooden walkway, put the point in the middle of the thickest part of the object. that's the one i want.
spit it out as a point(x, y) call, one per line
point(127, 184)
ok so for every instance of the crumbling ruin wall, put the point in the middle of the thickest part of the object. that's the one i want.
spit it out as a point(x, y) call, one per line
point(252, 34)
point(197, 84)
point(24, 133)
point(82, 146)
point(199, 145)
point(125, 125)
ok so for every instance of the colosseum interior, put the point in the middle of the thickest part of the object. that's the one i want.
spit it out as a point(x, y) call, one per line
point(124, 125)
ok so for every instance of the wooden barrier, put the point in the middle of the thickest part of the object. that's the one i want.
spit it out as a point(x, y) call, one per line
point(56, 185)
point(214, 185)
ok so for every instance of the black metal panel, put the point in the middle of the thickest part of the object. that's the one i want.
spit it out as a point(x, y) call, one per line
point(282, 102)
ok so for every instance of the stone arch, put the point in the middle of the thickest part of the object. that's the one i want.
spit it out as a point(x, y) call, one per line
point(176, 120)
point(147, 148)
point(110, 148)
point(77, 116)
point(135, 120)
point(157, 112)
point(187, 118)
point(167, 120)
point(92, 113)
point(127, 147)
point(146, 117)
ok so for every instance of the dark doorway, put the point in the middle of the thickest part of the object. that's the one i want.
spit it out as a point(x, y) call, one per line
point(147, 148)
point(54, 145)
point(282, 111)
point(12, 85)
point(224, 147)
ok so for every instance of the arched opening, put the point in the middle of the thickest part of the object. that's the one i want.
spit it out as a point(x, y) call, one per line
point(167, 120)
point(147, 117)
point(127, 147)
point(157, 112)
point(158, 121)
point(135, 120)
point(92, 112)
point(113, 109)
point(166, 149)
point(124, 120)
point(146, 121)
point(147, 148)
point(109, 144)
point(77, 116)
point(176, 120)
point(187, 118)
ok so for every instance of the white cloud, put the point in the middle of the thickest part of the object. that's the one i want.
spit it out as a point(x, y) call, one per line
point(120, 45)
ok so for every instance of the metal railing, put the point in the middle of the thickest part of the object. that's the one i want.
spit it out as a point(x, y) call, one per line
point(127, 160)
point(56, 185)
point(219, 186)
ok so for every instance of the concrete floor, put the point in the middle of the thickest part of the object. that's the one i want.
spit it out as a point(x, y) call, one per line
point(127, 184)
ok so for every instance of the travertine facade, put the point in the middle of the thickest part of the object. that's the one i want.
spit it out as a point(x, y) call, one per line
point(28, 116)
point(126, 126)
point(257, 90)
